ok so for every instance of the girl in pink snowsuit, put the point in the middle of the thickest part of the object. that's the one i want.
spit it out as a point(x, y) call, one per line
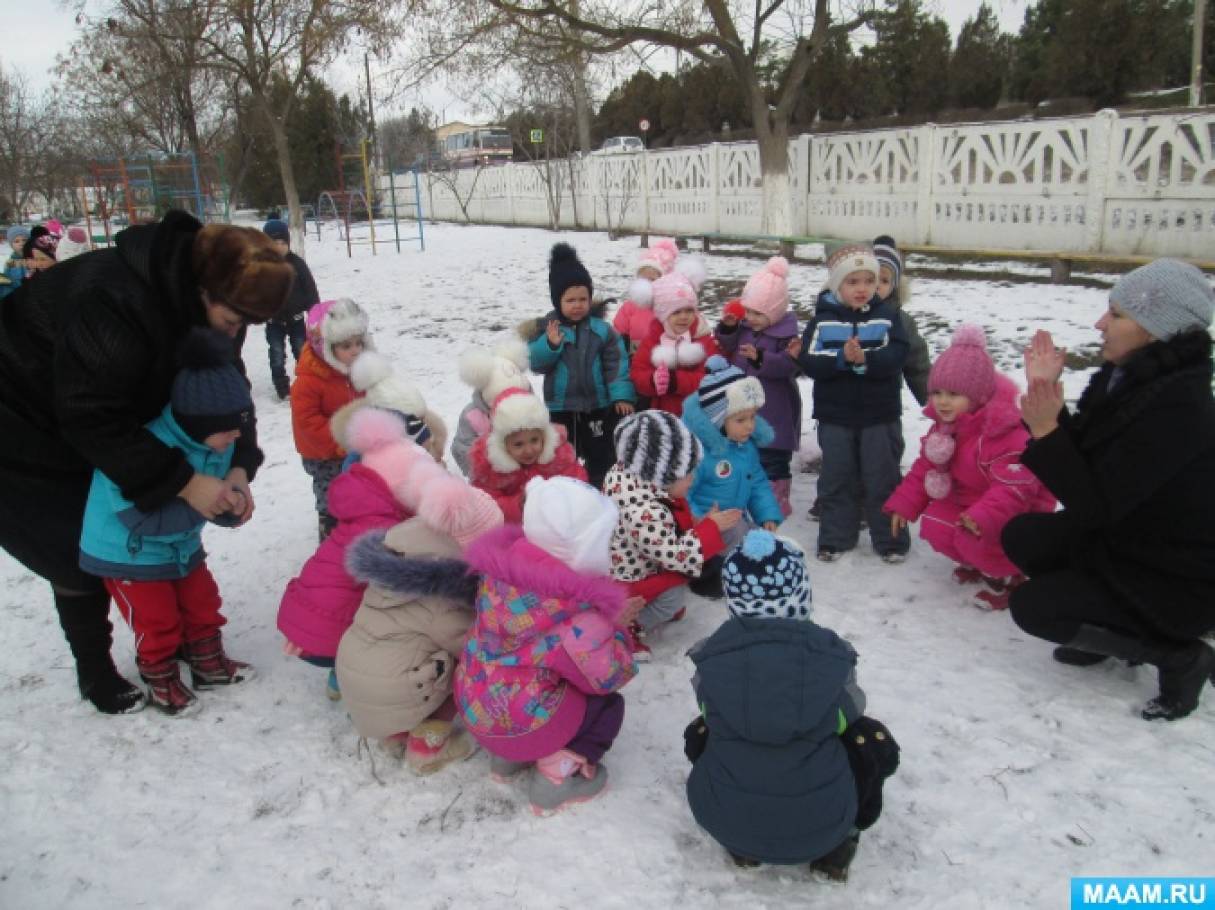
point(969, 481)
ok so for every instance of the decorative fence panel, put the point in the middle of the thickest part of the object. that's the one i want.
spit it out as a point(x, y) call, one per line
point(1139, 184)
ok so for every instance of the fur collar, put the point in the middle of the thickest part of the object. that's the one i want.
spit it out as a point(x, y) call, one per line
point(370, 562)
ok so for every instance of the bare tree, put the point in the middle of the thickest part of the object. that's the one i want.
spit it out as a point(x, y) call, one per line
point(24, 139)
point(451, 179)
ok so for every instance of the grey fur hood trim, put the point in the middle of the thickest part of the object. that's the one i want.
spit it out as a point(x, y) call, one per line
point(369, 561)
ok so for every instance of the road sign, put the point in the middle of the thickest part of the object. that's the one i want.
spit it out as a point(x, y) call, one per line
point(644, 125)
point(537, 137)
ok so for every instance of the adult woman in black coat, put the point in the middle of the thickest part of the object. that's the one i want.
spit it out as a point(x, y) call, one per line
point(87, 357)
point(1127, 568)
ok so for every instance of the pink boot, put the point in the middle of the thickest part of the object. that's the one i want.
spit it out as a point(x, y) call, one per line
point(781, 488)
point(562, 779)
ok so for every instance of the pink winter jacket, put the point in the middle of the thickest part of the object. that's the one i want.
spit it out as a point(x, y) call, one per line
point(633, 322)
point(544, 638)
point(319, 603)
point(988, 482)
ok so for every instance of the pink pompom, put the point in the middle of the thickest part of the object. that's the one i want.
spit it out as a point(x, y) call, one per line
point(779, 266)
point(969, 333)
point(939, 448)
point(937, 484)
point(370, 428)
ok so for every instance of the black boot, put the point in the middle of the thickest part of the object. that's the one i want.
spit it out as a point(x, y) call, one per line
point(1074, 657)
point(744, 862)
point(835, 864)
point(709, 583)
point(84, 618)
point(1182, 669)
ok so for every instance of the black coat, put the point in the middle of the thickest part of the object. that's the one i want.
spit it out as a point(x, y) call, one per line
point(304, 294)
point(87, 357)
point(1134, 469)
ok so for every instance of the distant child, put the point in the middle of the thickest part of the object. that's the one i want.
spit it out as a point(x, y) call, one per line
point(39, 251)
point(490, 373)
point(288, 325)
point(670, 362)
point(337, 334)
point(659, 545)
point(153, 563)
point(969, 481)
point(522, 443)
point(855, 349)
point(786, 767)
point(537, 682)
point(895, 288)
point(758, 334)
point(14, 266)
point(396, 664)
point(75, 243)
point(635, 316)
point(584, 364)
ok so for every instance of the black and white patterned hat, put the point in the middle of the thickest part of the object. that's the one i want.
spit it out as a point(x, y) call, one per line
point(766, 578)
point(657, 447)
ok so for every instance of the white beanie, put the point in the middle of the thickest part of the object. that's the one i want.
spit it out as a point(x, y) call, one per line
point(571, 521)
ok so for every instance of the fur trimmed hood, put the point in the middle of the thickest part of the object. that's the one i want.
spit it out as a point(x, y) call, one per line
point(515, 410)
point(434, 571)
point(716, 442)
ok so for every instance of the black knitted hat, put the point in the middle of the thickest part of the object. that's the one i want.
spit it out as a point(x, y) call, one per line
point(565, 270)
point(209, 394)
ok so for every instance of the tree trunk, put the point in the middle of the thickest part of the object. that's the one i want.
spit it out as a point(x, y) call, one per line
point(278, 129)
point(772, 139)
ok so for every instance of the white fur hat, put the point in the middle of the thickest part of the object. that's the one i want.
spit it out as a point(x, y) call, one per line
point(333, 321)
point(493, 372)
point(371, 373)
point(514, 410)
point(572, 521)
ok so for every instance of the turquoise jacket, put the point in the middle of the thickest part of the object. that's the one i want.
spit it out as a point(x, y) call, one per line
point(588, 371)
point(13, 275)
point(119, 541)
point(730, 474)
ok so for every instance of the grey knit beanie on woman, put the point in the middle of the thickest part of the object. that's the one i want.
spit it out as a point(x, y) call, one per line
point(1166, 297)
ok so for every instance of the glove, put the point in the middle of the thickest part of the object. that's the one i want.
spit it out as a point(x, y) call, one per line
point(695, 738)
point(662, 378)
point(735, 310)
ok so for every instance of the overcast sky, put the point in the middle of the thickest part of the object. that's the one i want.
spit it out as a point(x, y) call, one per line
point(33, 35)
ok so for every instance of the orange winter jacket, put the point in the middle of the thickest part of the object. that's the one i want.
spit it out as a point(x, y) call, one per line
point(318, 391)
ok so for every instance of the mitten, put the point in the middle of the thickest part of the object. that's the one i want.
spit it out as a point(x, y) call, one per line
point(695, 737)
point(662, 378)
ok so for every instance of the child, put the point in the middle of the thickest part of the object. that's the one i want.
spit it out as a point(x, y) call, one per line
point(75, 243)
point(538, 679)
point(337, 334)
point(397, 661)
point(854, 349)
point(584, 364)
point(634, 318)
point(670, 362)
point(153, 563)
point(765, 346)
point(14, 266)
point(39, 251)
point(659, 546)
point(490, 373)
point(895, 289)
point(288, 324)
point(776, 775)
point(371, 374)
point(968, 481)
point(522, 443)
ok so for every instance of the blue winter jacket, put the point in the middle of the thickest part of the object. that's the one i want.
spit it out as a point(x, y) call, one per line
point(773, 782)
point(848, 394)
point(14, 274)
point(119, 541)
point(588, 371)
point(730, 474)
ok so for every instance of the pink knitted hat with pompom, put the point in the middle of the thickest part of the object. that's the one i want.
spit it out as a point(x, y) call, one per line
point(672, 293)
point(965, 367)
point(767, 291)
point(461, 511)
point(659, 256)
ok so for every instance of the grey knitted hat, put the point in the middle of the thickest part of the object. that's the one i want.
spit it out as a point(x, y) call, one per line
point(657, 447)
point(1166, 297)
point(209, 394)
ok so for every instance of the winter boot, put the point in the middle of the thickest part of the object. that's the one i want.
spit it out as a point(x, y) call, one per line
point(834, 866)
point(166, 692)
point(435, 743)
point(965, 575)
point(210, 666)
point(503, 770)
point(84, 618)
point(332, 690)
point(1074, 657)
point(641, 651)
point(995, 593)
point(744, 862)
point(709, 583)
point(562, 779)
point(781, 488)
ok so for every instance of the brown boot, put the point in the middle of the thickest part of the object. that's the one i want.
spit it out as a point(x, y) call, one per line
point(210, 666)
point(166, 692)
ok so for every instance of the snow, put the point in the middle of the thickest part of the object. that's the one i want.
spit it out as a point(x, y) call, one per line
point(1017, 773)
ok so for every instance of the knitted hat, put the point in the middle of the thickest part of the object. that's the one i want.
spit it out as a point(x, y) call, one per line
point(514, 410)
point(767, 291)
point(846, 258)
point(333, 321)
point(461, 511)
point(15, 231)
point(42, 240)
point(565, 271)
point(570, 520)
point(1166, 297)
point(240, 268)
point(493, 372)
point(888, 255)
point(77, 235)
point(277, 229)
point(55, 227)
point(657, 447)
point(672, 293)
point(209, 395)
point(766, 578)
point(371, 373)
point(726, 390)
point(660, 256)
point(965, 367)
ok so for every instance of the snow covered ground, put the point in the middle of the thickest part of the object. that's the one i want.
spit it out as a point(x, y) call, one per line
point(1017, 773)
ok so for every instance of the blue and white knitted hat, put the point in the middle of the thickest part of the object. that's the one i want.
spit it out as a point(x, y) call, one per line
point(726, 390)
point(766, 578)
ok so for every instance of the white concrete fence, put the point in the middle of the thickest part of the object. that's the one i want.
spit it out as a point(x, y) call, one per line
point(1142, 184)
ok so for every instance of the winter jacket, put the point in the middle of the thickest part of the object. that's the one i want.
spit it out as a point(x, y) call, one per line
point(853, 395)
point(397, 661)
point(545, 637)
point(507, 489)
point(588, 370)
point(775, 369)
point(730, 476)
point(121, 541)
point(684, 378)
point(988, 482)
point(1134, 468)
point(304, 294)
point(11, 277)
point(773, 782)
point(316, 395)
point(632, 323)
point(658, 544)
point(473, 423)
point(919, 361)
point(320, 602)
point(87, 359)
